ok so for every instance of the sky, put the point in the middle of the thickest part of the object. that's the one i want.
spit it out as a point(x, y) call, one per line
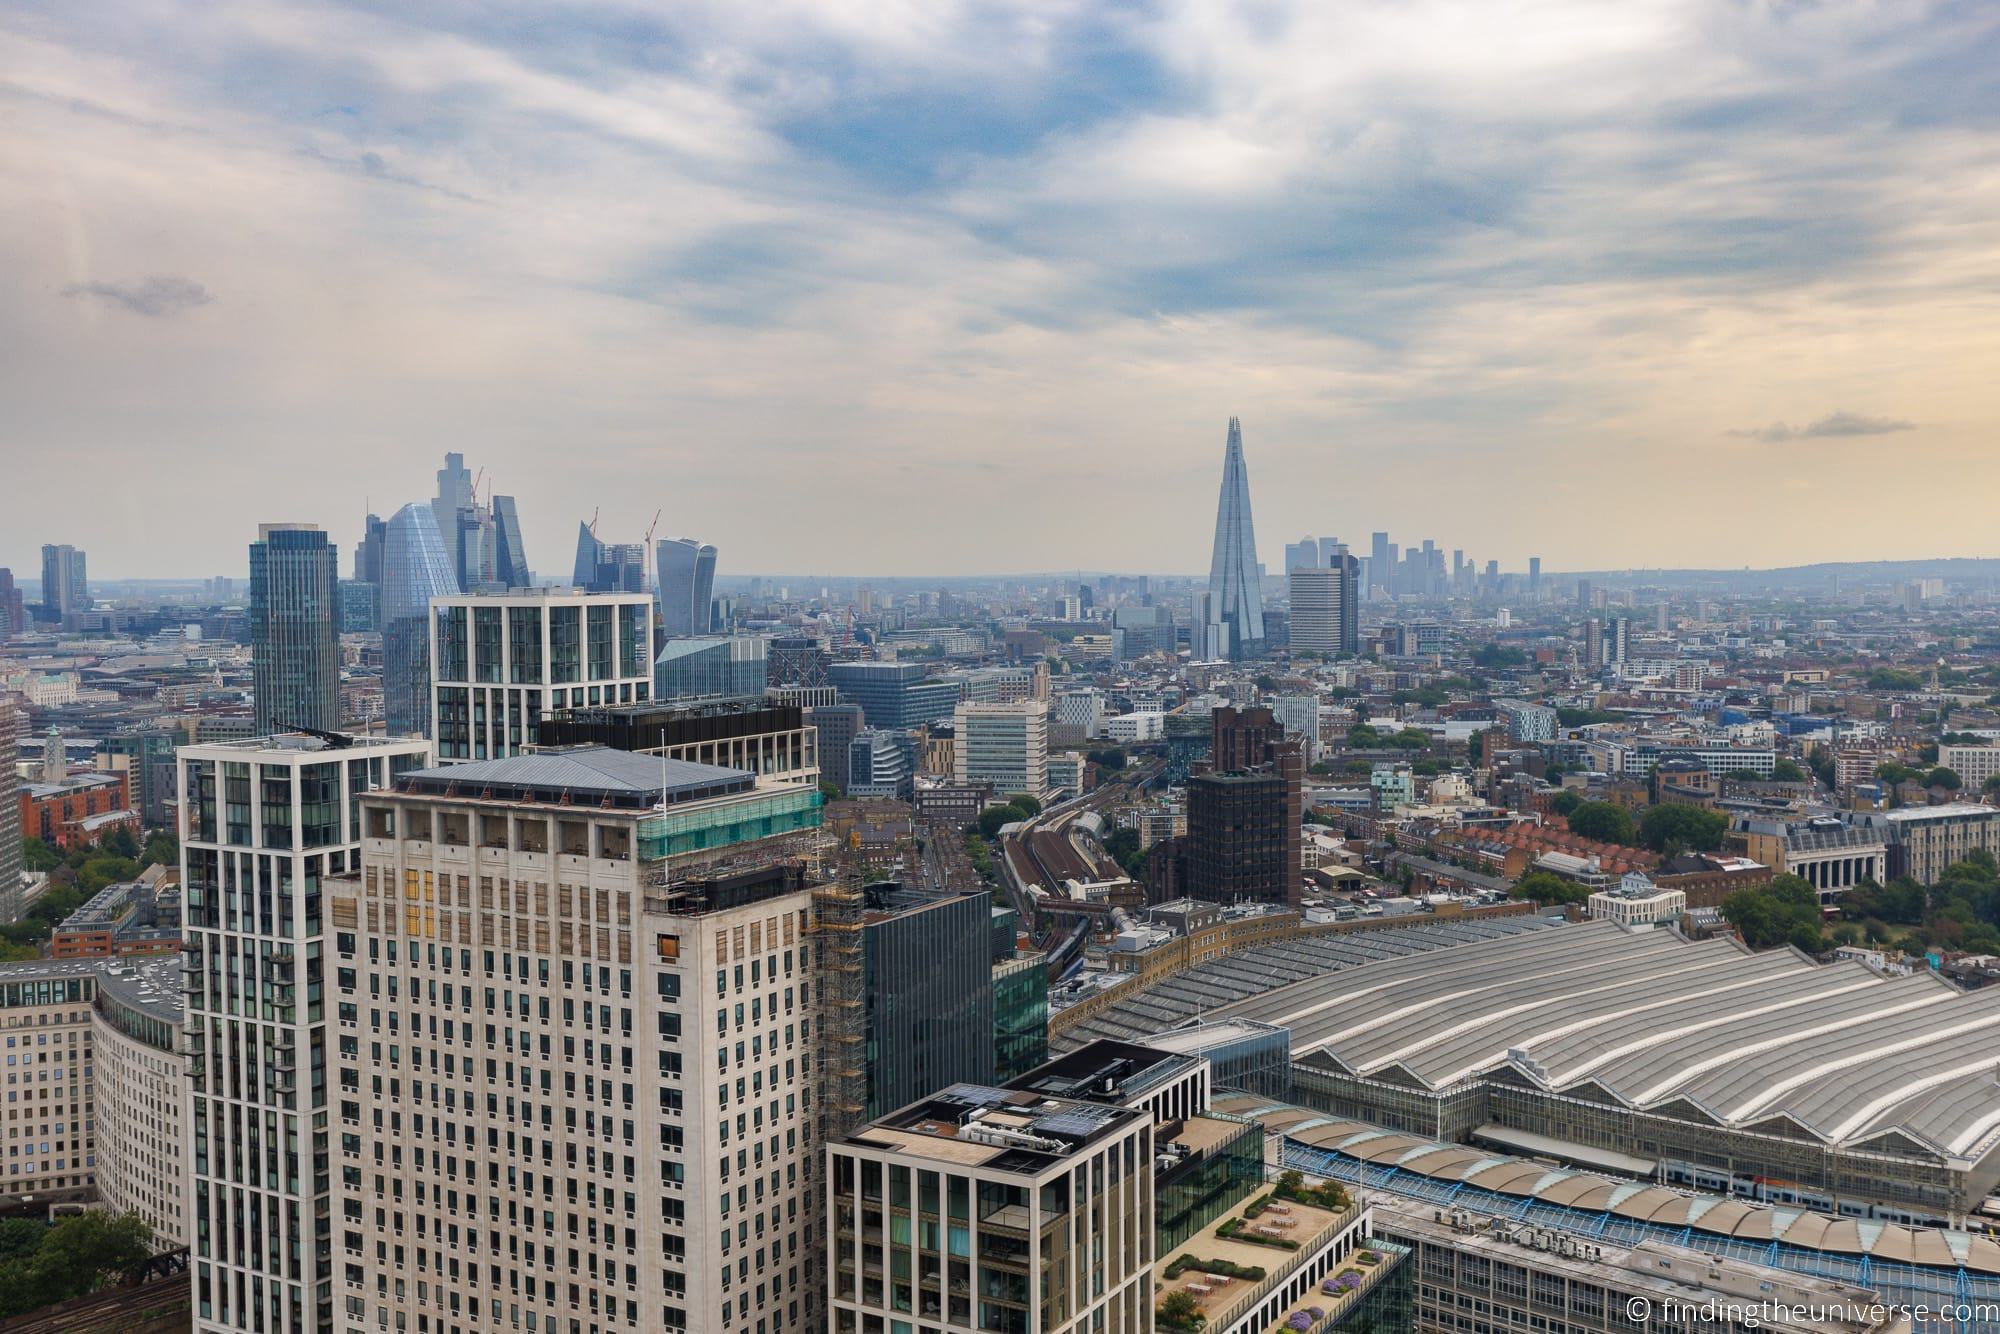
point(936, 286)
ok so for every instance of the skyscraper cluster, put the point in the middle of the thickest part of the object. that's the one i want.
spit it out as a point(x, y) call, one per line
point(482, 539)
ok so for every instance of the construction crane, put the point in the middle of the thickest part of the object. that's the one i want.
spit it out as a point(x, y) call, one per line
point(646, 559)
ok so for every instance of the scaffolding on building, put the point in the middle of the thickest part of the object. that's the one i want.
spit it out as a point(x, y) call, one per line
point(838, 913)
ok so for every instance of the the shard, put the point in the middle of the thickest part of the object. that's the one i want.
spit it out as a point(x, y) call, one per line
point(1234, 625)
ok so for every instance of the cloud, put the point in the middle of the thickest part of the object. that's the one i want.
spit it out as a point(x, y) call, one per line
point(1832, 426)
point(157, 297)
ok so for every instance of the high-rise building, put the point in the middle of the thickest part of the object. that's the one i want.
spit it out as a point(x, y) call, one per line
point(1618, 641)
point(1381, 560)
point(711, 667)
point(1245, 842)
point(138, 1075)
point(65, 581)
point(895, 695)
point(504, 661)
point(796, 660)
point(294, 628)
point(1302, 554)
point(1534, 576)
point(265, 827)
point(836, 725)
point(1235, 621)
point(765, 737)
point(880, 764)
point(605, 567)
point(687, 586)
point(13, 719)
point(1325, 615)
point(927, 982)
point(1593, 643)
point(510, 553)
point(1006, 745)
point(1328, 548)
point(415, 569)
point(368, 551)
point(13, 610)
point(482, 541)
point(639, 1153)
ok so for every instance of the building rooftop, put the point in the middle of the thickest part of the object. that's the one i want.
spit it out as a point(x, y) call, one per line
point(1833, 1054)
point(1002, 1129)
point(150, 986)
point(1105, 1071)
point(588, 775)
point(294, 742)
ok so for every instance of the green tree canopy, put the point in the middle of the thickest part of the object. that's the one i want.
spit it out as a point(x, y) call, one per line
point(1947, 779)
point(1665, 828)
point(1786, 911)
point(1602, 820)
point(1566, 801)
point(1787, 771)
point(74, 1257)
point(1547, 888)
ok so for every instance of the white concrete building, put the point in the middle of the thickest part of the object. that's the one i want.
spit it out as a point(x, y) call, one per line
point(1638, 902)
point(1006, 745)
point(140, 1081)
point(576, 1081)
point(1131, 728)
point(1299, 715)
point(264, 825)
point(1974, 764)
point(501, 661)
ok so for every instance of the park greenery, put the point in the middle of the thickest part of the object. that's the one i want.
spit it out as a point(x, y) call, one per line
point(74, 875)
point(42, 1264)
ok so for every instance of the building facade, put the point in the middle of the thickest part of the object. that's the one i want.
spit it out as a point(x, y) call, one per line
point(1006, 745)
point(895, 695)
point(294, 628)
point(634, 940)
point(1232, 624)
point(139, 1079)
point(415, 569)
point(1325, 614)
point(12, 719)
point(928, 984)
point(505, 661)
point(264, 825)
point(687, 586)
point(65, 581)
point(770, 740)
point(711, 667)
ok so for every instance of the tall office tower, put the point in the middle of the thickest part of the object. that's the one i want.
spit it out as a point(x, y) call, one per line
point(1328, 546)
point(687, 586)
point(1493, 576)
point(294, 628)
point(1244, 839)
point(1661, 612)
point(894, 695)
point(1534, 577)
point(1381, 562)
point(927, 980)
point(266, 826)
point(415, 569)
point(1325, 617)
point(368, 551)
point(502, 662)
point(711, 667)
point(65, 581)
point(454, 493)
point(639, 1153)
point(1583, 594)
point(1593, 643)
point(1618, 642)
point(510, 553)
point(13, 718)
point(836, 725)
point(1302, 554)
point(1006, 745)
point(1235, 623)
point(589, 555)
point(13, 610)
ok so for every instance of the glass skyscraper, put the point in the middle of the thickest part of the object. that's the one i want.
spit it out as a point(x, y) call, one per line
point(1234, 625)
point(687, 586)
point(415, 569)
point(65, 580)
point(710, 667)
point(294, 628)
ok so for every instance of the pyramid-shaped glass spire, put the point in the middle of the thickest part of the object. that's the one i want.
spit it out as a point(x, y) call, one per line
point(1235, 603)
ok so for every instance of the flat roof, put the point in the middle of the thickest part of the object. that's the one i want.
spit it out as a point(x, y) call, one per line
point(1008, 1129)
point(582, 775)
point(150, 986)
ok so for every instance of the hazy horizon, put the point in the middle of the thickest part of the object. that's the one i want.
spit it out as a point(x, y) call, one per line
point(931, 288)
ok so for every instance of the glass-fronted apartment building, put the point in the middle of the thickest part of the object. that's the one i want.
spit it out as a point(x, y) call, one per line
point(504, 661)
point(263, 825)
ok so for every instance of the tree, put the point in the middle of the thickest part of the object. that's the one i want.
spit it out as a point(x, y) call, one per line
point(1784, 911)
point(1785, 771)
point(995, 818)
point(1565, 802)
point(1180, 1308)
point(1499, 656)
point(162, 849)
point(1991, 785)
point(1603, 821)
point(1944, 778)
point(72, 1258)
point(39, 856)
point(1029, 806)
point(1363, 737)
point(1112, 760)
point(1547, 888)
point(1889, 678)
point(120, 842)
point(1681, 827)
point(829, 789)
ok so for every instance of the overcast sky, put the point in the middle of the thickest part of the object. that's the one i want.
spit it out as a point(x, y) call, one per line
point(905, 286)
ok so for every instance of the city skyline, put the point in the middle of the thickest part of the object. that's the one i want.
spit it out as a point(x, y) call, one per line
point(1479, 269)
